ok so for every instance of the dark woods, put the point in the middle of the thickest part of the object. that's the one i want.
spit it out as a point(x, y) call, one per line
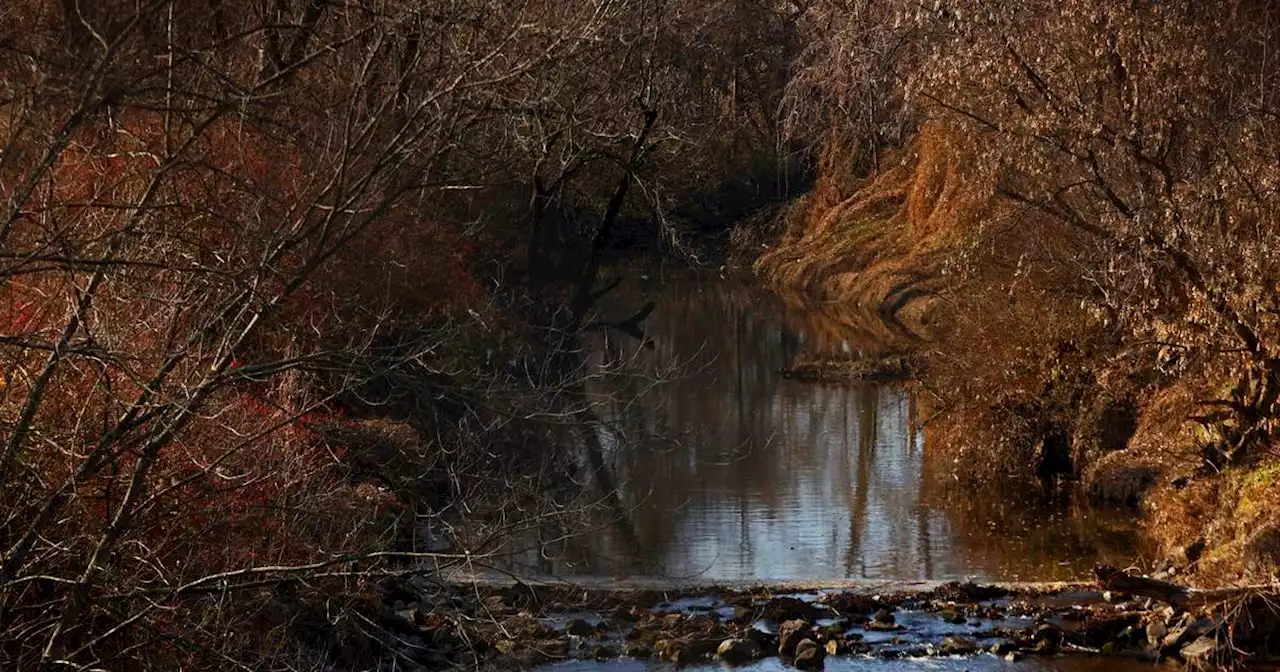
point(282, 282)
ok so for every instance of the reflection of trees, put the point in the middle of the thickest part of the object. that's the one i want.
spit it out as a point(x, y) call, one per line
point(729, 450)
point(713, 452)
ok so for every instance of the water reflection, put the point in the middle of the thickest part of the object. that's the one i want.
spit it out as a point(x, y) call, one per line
point(729, 472)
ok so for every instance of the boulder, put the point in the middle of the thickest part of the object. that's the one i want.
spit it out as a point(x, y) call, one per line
point(738, 651)
point(809, 656)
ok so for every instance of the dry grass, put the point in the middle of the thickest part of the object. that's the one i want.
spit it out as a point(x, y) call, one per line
point(879, 246)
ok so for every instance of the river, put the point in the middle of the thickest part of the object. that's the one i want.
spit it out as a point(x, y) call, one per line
point(728, 472)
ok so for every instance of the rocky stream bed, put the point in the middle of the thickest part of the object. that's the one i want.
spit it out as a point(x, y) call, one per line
point(967, 626)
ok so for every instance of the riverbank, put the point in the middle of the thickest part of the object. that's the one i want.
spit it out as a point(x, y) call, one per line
point(1023, 386)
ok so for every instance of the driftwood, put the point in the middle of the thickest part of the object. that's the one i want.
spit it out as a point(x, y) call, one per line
point(1110, 578)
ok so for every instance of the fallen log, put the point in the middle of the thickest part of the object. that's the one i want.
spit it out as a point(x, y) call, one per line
point(1118, 580)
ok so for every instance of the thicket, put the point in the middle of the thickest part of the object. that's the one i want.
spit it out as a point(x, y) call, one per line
point(1081, 201)
point(284, 285)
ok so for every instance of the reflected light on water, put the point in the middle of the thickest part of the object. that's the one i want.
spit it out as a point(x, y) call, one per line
point(729, 472)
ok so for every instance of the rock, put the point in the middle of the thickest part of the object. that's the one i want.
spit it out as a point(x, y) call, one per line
point(685, 652)
point(1002, 648)
point(851, 604)
point(1201, 654)
point(882, 621)
point(738, 651)
point(741, 615)
point(579, 628)
point(954, 645)
point(809, 656)
point(835, 629)
point(955, 591)
point(789, 635)
point(621, 614)
point(1047, 638)
point(1014, 656)
point(763, 639)
point(1114, 597)
point(1156, 630)
point(790, 608)
point(1178, 633)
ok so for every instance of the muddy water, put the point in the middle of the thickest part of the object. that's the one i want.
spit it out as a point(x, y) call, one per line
point(729, 472)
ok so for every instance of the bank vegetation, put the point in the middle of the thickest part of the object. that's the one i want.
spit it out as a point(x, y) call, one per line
point(1075, 206)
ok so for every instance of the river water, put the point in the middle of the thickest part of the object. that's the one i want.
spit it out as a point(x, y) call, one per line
point(728, 472)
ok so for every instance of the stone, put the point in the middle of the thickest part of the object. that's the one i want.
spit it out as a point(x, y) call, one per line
point(790, 608)
point(741, 615)
point(1201, 653)
point(1047, 638)
point(809, 656)
point(955, 645)
point(1178, 633)
point(685, 652)
point(1014, 656)
point(1156, 630)
point(621, 614)
point(738, 651)
point(579, 627)
point(1114, 597)
point(789, 635)
point(1002, 648)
